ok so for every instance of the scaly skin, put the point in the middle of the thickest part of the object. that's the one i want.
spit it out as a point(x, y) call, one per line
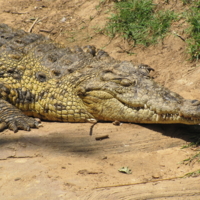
point(55, 83)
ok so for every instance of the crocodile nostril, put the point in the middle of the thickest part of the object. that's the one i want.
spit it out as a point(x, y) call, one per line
point(195, 102)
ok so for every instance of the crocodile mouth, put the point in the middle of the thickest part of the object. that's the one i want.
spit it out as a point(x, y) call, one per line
point(105, 106)
point(152, 116)
point(177, 111)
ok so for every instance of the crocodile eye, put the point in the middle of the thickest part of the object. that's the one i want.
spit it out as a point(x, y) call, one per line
point(108, 75)
point(41, 76)
point(125, 82)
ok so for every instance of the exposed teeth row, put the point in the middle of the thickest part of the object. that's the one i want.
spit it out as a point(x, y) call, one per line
point(164, 116)
point(167, 116)
point(173, 117)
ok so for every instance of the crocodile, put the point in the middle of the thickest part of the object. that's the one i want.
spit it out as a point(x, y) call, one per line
point(43, 79)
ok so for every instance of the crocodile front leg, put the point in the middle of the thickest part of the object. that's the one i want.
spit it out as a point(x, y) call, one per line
point(14, 119)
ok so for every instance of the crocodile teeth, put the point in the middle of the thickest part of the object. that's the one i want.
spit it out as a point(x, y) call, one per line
point(178, 118)
point(164, 116)
point(158, 118)
point(93, 121)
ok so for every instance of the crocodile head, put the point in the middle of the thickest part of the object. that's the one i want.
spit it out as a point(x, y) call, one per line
point(125, 92)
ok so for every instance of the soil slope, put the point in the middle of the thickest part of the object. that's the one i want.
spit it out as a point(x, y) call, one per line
point(61, 160)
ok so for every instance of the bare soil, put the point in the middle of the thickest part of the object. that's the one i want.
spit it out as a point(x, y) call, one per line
point(61, 160)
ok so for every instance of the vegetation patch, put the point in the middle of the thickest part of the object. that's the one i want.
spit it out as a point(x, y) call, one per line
point(139, 21)
point(193, 15)
point(194, 158)
point(143, 23)
point(192, 174)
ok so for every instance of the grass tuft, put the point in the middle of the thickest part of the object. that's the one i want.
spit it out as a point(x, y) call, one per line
point(139, 21)
point(194, 31)
point(192, 174)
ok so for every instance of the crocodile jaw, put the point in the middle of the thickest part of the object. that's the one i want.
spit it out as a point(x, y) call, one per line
point(104, 107)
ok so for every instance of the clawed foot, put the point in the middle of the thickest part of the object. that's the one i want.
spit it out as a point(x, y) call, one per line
point(23, 123)
point(14, 119)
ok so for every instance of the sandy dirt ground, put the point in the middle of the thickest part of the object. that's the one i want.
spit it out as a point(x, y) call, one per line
point(61, 160)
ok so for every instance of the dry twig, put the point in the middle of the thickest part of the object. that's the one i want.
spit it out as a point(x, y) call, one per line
point(30, 29)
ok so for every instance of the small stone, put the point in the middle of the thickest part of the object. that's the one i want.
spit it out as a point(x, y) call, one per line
point(63, 19)
point(116, 123)
point(156, 176)
point(17, 179)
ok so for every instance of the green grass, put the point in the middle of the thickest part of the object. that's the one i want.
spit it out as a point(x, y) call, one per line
point(192, 174)
point(195, 143)
point(139, 21)
point(194, 30)
point(194, 158)
point(143, 23)
point(195, 146)
point(185, 2)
